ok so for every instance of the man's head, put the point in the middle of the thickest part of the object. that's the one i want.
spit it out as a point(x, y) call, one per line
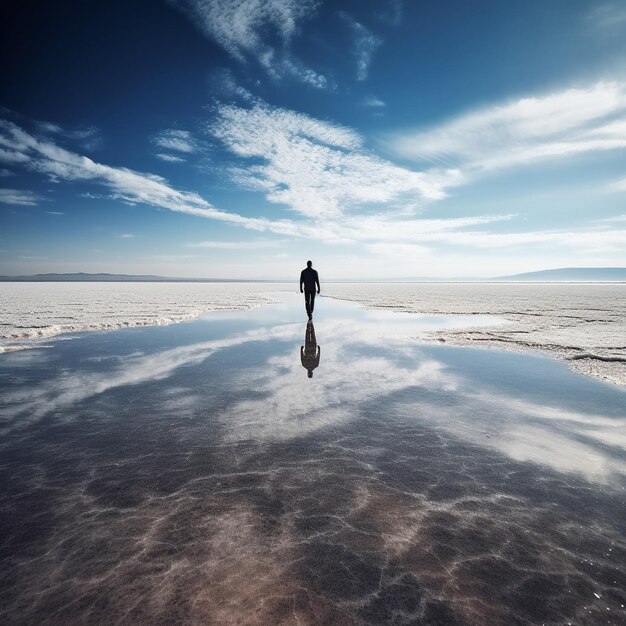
point(309, 263)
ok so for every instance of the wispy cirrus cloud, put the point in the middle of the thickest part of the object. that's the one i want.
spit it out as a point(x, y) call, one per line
point(331, 153)
point(323, 172)
point(176, 140)
point(87, 137)
point(170, 158)
point(608, 17)
point(618, 185)
point(45, 157)
point(525, 131)
point(373, 102)
point(235, 245)
point(318, 168)
point(257, 29)
point(583, 239)
point(365, 44)
point(391, 12)
point(18, 197)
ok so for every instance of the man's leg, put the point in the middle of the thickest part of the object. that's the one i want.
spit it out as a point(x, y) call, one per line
point(312, 301)
point(307, 302)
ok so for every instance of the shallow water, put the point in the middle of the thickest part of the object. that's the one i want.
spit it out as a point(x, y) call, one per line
point(195, 473)
point(581, 324)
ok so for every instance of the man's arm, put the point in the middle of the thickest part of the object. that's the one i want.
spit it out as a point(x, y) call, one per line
point(317, 281)
point(301, 280)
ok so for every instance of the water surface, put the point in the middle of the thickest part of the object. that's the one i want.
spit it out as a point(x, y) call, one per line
point(196, 473)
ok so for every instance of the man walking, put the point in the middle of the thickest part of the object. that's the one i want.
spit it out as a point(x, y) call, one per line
point(309, 279)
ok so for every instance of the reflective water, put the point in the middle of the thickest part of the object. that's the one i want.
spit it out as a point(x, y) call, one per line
point(198, 474)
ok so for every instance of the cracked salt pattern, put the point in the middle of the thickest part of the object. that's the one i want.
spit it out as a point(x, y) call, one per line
point(581, 324)
point(194, 474)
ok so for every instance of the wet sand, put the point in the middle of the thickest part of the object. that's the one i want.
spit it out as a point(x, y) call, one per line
point(196, 474)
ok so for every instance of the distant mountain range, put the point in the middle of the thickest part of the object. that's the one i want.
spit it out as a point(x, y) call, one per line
point(115, 278)
point(572, 274)
point(565, 274)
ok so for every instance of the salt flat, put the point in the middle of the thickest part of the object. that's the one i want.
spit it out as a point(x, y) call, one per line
point(195, 473)
point(583, 324)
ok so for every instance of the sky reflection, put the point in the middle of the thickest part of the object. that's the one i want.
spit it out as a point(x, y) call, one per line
point(195, 471)
point(367, 355)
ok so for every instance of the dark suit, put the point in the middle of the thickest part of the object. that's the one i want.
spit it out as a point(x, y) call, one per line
point(309, 280)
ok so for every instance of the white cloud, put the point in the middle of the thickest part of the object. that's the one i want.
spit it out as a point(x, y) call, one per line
point(618, 185)
point(373, 102)
point(88, 137)
point(584, 239)
point(391, 13)
point(125, 184)
point(55, 212)
point(365, 44)
point(4, 173)
point(341, 192)
point(127, 236)
point(12, 156)
point(170, 158)
point(317, 168)
point(234, 245)
point(238, 25)
point(608, 16)
point(225, 86)
point(18, 197)
point(177, 140)
point(141, 188)
point(296, 69)
point(531, 129)
point(245, 28)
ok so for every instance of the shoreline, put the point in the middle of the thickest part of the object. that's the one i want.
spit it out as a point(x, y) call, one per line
point(545, 336)
point(608, 367)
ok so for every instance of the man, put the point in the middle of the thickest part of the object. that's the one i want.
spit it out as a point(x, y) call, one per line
point(309, 279)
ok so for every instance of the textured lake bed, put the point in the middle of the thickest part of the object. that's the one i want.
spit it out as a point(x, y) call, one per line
point(195, 473)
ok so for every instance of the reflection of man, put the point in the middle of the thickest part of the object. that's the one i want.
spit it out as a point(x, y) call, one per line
point(310, 351)
point(310, 280)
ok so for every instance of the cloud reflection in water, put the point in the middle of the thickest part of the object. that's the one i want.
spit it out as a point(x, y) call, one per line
point(215, 482)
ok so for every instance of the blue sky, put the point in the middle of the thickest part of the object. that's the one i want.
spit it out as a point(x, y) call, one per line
point(387, 139)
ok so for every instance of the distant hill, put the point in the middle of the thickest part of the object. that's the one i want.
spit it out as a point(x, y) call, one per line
point(568, 274)
point(115, 278)
point(572, 274)
point(82, 276)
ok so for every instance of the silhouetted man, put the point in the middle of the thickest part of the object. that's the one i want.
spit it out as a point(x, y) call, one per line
point(310, 351)
point(309, 279)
